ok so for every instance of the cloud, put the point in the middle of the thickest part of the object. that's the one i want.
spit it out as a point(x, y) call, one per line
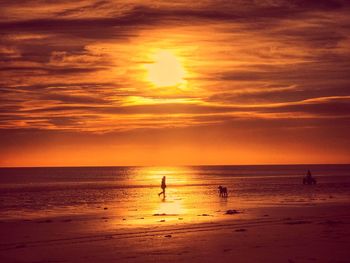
point(141, 15)
point(258, 59)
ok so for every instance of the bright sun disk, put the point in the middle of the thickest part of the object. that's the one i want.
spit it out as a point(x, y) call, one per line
point(166, 70)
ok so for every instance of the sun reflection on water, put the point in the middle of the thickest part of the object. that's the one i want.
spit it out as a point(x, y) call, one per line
point(144, 206)
point(189, 197)
point(175, 175)
point(170, 208)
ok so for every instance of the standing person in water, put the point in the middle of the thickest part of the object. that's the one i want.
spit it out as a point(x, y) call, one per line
point(163, 186)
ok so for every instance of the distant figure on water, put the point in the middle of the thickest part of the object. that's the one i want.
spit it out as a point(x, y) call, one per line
point(222, 191)
point(308, 179)
point(163, 186)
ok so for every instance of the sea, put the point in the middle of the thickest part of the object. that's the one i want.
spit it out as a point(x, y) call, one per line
point(132, 192)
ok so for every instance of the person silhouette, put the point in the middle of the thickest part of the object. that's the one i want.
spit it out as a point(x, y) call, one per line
point(309, 179)
point(163, 186)
point(308, 174)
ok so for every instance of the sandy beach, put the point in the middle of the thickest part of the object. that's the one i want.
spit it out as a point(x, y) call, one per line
point(116, 215)
point(293, 234)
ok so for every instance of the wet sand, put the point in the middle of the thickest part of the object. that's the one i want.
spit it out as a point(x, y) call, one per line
point(309, 233)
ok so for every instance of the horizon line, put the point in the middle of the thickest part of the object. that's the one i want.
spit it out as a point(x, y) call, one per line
point(184, 165)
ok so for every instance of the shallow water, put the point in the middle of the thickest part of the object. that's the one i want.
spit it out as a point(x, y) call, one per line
point(130, 193)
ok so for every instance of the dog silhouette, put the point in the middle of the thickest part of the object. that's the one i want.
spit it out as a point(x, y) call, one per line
point(222, 191)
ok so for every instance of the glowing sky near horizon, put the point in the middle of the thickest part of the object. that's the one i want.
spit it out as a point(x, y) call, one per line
point(97, 82)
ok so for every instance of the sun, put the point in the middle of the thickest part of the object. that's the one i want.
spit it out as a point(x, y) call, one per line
point(166, 70)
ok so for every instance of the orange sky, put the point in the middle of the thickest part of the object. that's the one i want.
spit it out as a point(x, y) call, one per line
point(153, 83)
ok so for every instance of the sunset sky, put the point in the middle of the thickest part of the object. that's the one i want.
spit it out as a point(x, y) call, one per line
point(164, 83)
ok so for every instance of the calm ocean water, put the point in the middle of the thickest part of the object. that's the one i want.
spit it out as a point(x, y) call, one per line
point(45, 192)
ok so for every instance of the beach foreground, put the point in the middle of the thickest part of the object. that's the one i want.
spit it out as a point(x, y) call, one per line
point(114, 214)
point(315, 233)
